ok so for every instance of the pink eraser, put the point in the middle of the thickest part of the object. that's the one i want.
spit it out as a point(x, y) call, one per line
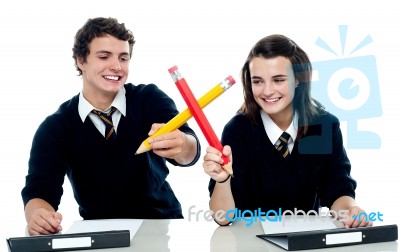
point(172, 69)
point(231, 79)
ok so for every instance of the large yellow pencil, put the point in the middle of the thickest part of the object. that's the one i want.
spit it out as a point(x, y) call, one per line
point(185, 115)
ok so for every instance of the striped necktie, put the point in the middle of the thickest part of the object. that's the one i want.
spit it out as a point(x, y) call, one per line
point(107, 120)
point(283, 146)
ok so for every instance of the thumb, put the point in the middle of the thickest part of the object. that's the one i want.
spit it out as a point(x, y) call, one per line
point(58, 217)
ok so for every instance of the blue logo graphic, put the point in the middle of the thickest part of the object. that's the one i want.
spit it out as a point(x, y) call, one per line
point(349, 89)
point(373, 216)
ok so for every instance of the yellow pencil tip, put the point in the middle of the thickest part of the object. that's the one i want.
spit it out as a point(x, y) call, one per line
point(142, 149)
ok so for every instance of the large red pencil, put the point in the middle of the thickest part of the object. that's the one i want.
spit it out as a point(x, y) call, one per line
point(199, 115)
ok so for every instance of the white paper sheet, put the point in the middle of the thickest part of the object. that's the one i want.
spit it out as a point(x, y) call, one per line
point(83, 226)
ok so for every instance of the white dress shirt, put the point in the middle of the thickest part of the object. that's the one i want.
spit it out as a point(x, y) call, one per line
point(119, 102)
point(274, 132)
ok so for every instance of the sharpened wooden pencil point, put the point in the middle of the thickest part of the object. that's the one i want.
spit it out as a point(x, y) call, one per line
point(228, 168)
point(142, 148)
point(145, 146)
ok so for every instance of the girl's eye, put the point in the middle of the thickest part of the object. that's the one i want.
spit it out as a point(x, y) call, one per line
point(279, 80)
point(256, 82)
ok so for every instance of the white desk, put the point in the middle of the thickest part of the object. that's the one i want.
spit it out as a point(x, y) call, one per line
point(184, 235)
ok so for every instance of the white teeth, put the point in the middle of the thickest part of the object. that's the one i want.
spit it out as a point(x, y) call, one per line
point(111, 77)
point(272, 100)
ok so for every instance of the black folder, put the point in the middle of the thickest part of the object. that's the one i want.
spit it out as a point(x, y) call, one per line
point(69, 242)
point(332, 237)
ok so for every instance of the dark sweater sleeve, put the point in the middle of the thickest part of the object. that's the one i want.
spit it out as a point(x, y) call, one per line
point(336, 181)
point(47, 166)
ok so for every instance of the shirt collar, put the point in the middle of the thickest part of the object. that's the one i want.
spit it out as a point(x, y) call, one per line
point(274, 132)
point(119, 102)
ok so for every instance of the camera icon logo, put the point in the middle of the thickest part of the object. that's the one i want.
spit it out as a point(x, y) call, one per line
point(349, 89)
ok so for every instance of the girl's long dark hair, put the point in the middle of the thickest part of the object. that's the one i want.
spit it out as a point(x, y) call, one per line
point(280, 45)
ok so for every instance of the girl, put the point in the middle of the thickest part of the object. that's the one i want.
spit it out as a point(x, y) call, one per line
point(287, 152)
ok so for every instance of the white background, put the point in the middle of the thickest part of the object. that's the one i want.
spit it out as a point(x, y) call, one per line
point(208, 40)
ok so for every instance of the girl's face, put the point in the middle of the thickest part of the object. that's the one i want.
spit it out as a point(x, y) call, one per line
point(273, 86)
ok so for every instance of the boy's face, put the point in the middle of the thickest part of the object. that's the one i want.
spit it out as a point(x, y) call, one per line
point(106, 68)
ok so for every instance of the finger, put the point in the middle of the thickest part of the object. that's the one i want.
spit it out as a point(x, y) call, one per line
point(41, 226)
point(227, 150)
point(167, 153)
point(58, 216)
point(348, 223)
point(167, 145)
point(32, 232)
point(50, 221)
point(155, 127)
point(212, 167)
point(347, 220)
point(215, 171)
point(175, 138)
point(37, 230)
point(214, 156)
point(214, 151)
point(362, 221)
point(358, 217)
point(55, 221)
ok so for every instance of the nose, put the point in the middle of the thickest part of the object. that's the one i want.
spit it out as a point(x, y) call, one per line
point(268, 88)
point(116, 65)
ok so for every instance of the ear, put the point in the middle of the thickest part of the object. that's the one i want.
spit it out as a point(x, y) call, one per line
point(80, 63)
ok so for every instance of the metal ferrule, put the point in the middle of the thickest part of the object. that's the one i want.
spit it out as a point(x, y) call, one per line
point(225, 84)
point(176, 75)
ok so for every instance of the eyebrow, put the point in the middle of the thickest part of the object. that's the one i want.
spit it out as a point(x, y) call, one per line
point(108, 52)
point(279, 76)
point(275, 76)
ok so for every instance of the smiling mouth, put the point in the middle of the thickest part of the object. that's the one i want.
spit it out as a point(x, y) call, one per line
point(274, 100)
point(112, 77)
